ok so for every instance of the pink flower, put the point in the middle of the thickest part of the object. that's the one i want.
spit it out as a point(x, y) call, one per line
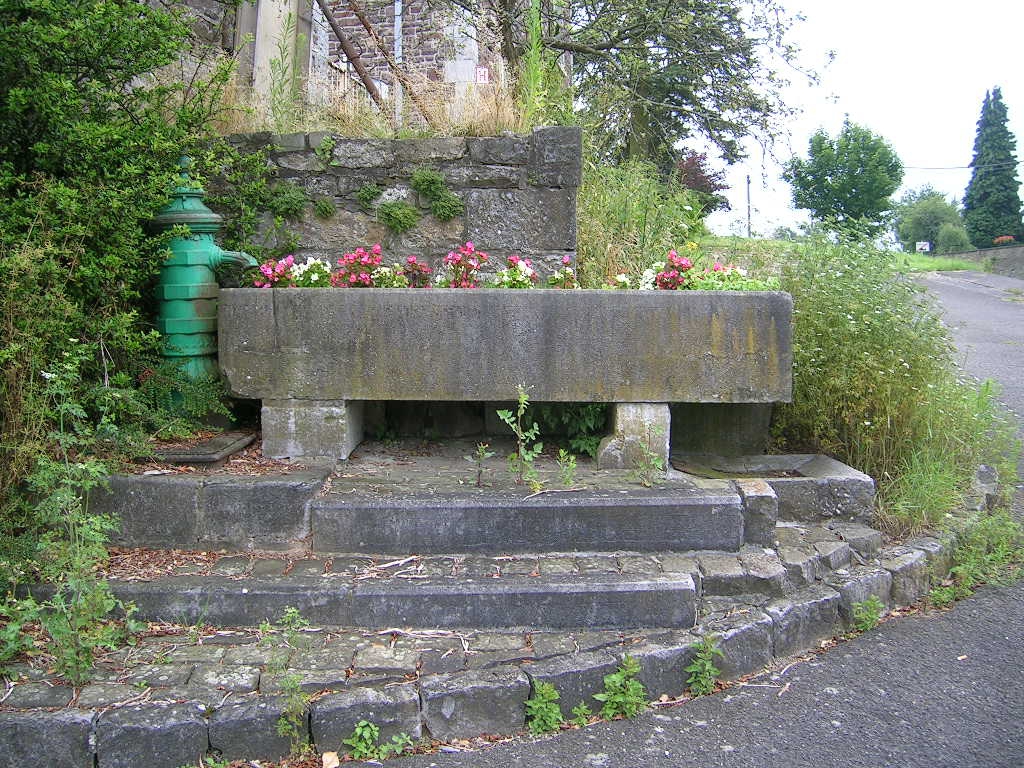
point(567, 260)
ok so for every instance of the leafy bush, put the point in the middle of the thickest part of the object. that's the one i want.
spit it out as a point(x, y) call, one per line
point(623, 695)
point(429, 183)
point(875, 384)
point(951, 239)
point(398, 215)
point(627, 217)
point(366, 194)
point(543, 714)
point(447, 206)
point(88, 155)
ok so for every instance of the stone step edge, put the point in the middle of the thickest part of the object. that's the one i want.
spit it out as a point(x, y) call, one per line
point(470, 703)
point(290, 510)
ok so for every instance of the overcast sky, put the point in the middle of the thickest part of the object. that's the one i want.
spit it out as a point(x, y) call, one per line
point(912, 71)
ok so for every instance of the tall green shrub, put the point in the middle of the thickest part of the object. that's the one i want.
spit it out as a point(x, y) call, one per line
point(90, 131)
point(875, 383)
point(627, 218)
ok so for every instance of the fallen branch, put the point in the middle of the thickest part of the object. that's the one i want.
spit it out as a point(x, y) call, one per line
point(392, 64)
point(355, 60)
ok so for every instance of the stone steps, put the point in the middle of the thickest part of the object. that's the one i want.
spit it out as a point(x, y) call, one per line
point(599, 590)
point(640, 520)
point(606, 600)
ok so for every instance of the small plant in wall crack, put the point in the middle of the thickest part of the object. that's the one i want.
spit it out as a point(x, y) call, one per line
point(867, 613)
point(703, 672)
point(623, 695)
point(292, 722)
point(364, 743)
point(581, 715)
point(649, 466)
point(543, 714)
point(478, 459)
point(566, 468)
point(398, 216)
point(521, 463)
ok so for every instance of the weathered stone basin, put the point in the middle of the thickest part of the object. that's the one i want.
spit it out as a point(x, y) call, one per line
point(314, 355)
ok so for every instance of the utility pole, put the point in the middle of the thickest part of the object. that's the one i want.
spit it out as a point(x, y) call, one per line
point(748, 206)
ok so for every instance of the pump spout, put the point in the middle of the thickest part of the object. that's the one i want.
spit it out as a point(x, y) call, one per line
point(222, 257)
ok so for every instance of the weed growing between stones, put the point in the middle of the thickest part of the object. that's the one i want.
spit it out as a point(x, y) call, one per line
point(478, 459)
point(566, 468)
point(991, 552)
point(398, 216)
point(581, 715)
point(649, 466)
point(323, 208)
point(521, 463)
point(867, 613)
point(366, 194)
point(543, 714)
point(292, 721)
point(703, 672)
point(623, 695)
point(364, 743)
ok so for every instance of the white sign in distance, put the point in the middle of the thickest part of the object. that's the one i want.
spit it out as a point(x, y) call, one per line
point(922, 246)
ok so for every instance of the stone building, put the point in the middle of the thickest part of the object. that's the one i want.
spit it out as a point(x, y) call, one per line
point(431, 42)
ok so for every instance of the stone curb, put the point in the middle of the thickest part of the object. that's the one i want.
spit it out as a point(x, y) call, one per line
point(465, 704)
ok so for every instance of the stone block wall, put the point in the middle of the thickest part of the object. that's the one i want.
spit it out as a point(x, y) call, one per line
point(519, 193)
point(1007, 260)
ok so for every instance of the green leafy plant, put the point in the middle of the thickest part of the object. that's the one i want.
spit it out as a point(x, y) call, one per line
point(364, 743)
point(521, 463)
point(325, 151)
point(991, 552)
point(623, 695)
point(566, 467)
point(447, 206)
point(292, 722)
point(478, 459)
point(367, 194)
point(867, 613)
point(876, 385)
point(284, 95)
point(287, 200)
point(324, 208)
point(444, 204)
point(543, 97)
point(581, 715)
point(398, 216)
point(429, 183)
point(648, 466)
point(703, 672)
point(543, 714)
point(582, 425)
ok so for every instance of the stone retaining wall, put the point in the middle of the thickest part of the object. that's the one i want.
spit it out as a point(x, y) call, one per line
point(519, 192)
point(1007, 260)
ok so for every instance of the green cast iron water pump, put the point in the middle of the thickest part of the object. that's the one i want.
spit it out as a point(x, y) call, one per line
point(187, 288)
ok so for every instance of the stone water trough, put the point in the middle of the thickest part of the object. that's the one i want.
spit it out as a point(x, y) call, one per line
point(316, 356)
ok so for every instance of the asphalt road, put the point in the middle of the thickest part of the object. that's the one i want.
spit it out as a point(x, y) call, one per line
point(932, 690)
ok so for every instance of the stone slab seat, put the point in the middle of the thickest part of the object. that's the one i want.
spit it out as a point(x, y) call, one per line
point(314, 356)
point(607, 600)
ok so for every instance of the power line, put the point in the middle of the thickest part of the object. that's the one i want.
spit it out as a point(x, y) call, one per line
point(1006, 164)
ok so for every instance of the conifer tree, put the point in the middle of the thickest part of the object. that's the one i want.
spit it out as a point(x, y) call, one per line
point(992, 206)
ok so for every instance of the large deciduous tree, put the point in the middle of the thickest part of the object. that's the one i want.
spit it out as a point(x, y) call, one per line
point(650, 73)
point(920, 214)
point(848, 179)
point(992, 205)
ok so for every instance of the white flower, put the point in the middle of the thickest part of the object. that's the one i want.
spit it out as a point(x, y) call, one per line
point(647, 279)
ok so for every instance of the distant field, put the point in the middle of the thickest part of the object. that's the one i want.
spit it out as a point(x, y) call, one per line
point(759, 253)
